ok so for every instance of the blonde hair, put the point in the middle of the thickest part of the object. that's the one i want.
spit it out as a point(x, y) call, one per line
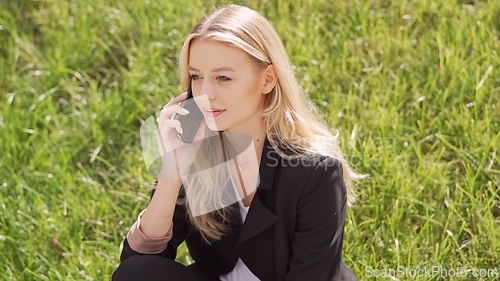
point(291, 121)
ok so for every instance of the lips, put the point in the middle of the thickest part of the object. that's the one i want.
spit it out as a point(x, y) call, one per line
point(213, 112)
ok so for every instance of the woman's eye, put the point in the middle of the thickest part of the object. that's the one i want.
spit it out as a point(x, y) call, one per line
point(223, 78)
point(195, 77)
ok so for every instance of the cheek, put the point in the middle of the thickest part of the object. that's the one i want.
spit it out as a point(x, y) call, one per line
point(253, 90)
point(200, 100)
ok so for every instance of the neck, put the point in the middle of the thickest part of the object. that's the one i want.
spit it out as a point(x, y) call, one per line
point(248, 145)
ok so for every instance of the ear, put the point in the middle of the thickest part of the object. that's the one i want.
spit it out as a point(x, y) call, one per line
point(270, 79)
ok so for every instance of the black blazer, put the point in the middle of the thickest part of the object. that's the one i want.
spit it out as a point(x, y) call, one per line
point(293, 230)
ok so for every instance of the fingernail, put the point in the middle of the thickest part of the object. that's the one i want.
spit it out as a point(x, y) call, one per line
point(180, 131)
point(185, 110)
point(158, 120)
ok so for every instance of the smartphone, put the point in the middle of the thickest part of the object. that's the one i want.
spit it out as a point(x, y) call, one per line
point(191, 121)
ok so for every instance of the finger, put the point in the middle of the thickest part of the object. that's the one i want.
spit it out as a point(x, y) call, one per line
point(165, 136)
point(168, 111)
point(177, 99)
point(176, 124)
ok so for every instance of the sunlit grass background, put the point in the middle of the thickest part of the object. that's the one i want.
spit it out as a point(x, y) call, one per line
point(412, 86)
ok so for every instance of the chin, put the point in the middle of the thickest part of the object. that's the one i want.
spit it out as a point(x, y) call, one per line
point(213, 126)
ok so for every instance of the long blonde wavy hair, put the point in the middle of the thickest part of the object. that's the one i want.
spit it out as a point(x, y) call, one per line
point(290, 119)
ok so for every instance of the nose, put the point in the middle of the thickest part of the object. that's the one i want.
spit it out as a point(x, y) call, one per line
point(208, 90)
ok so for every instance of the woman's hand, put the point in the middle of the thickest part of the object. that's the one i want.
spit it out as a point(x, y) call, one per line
point(177, 156)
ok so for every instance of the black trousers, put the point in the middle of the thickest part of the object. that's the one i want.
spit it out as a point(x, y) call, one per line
point(155, 268)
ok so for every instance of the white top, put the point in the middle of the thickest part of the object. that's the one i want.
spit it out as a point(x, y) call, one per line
point(240, 271)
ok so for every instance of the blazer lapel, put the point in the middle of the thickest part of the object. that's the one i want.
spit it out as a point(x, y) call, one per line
point(259, 218)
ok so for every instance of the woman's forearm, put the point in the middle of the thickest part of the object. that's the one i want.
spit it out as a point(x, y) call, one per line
point(157, 218)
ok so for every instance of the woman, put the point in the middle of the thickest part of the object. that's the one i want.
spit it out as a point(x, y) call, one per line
point(265, 197)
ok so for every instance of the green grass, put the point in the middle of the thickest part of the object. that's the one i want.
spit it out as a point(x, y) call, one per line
point(412, 86)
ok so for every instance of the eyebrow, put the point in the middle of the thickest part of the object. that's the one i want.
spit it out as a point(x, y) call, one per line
point(224, 68)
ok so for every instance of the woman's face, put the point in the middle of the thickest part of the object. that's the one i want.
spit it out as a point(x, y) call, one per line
point(227, 86)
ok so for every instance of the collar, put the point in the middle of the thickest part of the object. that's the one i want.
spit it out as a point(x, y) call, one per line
point(269, 162)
